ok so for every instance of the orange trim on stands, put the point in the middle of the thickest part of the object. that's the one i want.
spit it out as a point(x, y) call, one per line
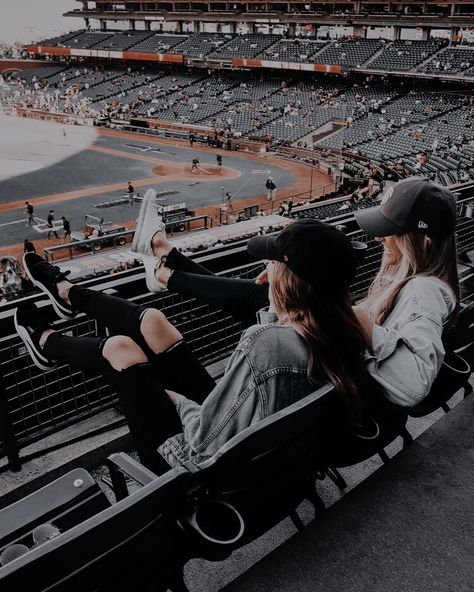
point(66, 51)
point(255, 63)
point(153, 57)
point(174, 58)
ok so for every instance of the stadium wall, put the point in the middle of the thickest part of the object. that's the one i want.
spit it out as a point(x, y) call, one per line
point(7, 66)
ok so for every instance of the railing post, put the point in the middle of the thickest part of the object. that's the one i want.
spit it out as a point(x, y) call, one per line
point(7, 433)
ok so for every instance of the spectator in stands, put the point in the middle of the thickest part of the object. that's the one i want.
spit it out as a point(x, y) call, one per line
point(308, 335)
point(283, 208)
point(415, 293)
point(28, 246)
point(50, 222)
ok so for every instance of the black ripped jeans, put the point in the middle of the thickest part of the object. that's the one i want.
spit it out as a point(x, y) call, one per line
point(150, 414)
point(240, 297)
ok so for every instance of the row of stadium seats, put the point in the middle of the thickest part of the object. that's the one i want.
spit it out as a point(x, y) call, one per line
point(378, 122)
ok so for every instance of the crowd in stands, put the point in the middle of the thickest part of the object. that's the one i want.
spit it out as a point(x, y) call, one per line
point(8, 51)
point(13, 280)
point(419, 133)
point(382, 122)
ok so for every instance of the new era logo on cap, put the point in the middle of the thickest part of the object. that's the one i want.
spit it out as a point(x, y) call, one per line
point(415, 204)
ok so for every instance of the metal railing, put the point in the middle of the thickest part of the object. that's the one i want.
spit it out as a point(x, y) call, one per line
point(117, 239)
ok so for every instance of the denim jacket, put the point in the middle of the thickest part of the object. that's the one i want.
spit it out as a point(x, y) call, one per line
point(266, 373)
point(407, 347)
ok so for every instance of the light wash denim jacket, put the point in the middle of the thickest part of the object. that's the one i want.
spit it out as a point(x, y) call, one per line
point(407, 348)
point(266, 373)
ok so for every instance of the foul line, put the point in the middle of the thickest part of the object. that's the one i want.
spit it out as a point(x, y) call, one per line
point(14, 222)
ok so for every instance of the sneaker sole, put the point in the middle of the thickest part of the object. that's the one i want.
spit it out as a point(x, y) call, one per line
point(40, 362)
point(152, 283)
point(61, 311)
point(139, 242)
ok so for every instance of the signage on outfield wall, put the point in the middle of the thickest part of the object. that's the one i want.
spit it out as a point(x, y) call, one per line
point(101, 53)
point(179, 59)
point(153, 57)
point(256, 63)
point(65, 51)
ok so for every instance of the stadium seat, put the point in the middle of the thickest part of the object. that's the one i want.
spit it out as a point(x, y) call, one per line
point(67, 501)
point(256, 479)
point(345, 447)
point(134, 545)
point(457, 366)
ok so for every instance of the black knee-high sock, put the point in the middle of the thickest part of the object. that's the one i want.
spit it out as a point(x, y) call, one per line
point(179, 369)
point(150, 414)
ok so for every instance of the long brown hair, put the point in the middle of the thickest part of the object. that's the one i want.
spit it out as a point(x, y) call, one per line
point(336, 341)
point(418, 255)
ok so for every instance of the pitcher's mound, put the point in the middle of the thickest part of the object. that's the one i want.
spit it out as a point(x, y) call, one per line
point(170, 171)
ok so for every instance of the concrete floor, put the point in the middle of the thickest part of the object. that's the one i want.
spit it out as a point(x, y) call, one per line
point(407, 528)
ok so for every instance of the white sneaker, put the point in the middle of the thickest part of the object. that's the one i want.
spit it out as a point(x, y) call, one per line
point(151, 263)
point(149, 222)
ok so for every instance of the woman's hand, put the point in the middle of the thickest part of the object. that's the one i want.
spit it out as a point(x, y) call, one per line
point(270, 269)
point(174, 397)
point(262, 278)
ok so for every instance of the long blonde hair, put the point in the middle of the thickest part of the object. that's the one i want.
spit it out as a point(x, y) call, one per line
point(418, 255)
point(336, 341)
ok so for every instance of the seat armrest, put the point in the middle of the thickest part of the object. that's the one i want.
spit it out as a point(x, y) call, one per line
point(125, 470)
point(65, 502)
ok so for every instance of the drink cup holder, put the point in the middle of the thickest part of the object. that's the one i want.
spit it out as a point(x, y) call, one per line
point(216, 522)
point(453, 375)
point(369, 431)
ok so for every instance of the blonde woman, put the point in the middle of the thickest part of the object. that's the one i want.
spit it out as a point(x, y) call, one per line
point(416, 292)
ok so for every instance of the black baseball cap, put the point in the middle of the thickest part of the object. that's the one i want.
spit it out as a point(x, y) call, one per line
point(316, 252)
point(415, 204)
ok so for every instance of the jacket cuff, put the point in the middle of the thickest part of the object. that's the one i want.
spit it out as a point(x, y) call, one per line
point(187, 409)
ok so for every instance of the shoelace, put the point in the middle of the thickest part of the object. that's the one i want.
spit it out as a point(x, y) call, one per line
point(52, 272)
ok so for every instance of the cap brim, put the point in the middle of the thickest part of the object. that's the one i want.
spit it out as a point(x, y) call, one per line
point(264, 247)
point(375, 224)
